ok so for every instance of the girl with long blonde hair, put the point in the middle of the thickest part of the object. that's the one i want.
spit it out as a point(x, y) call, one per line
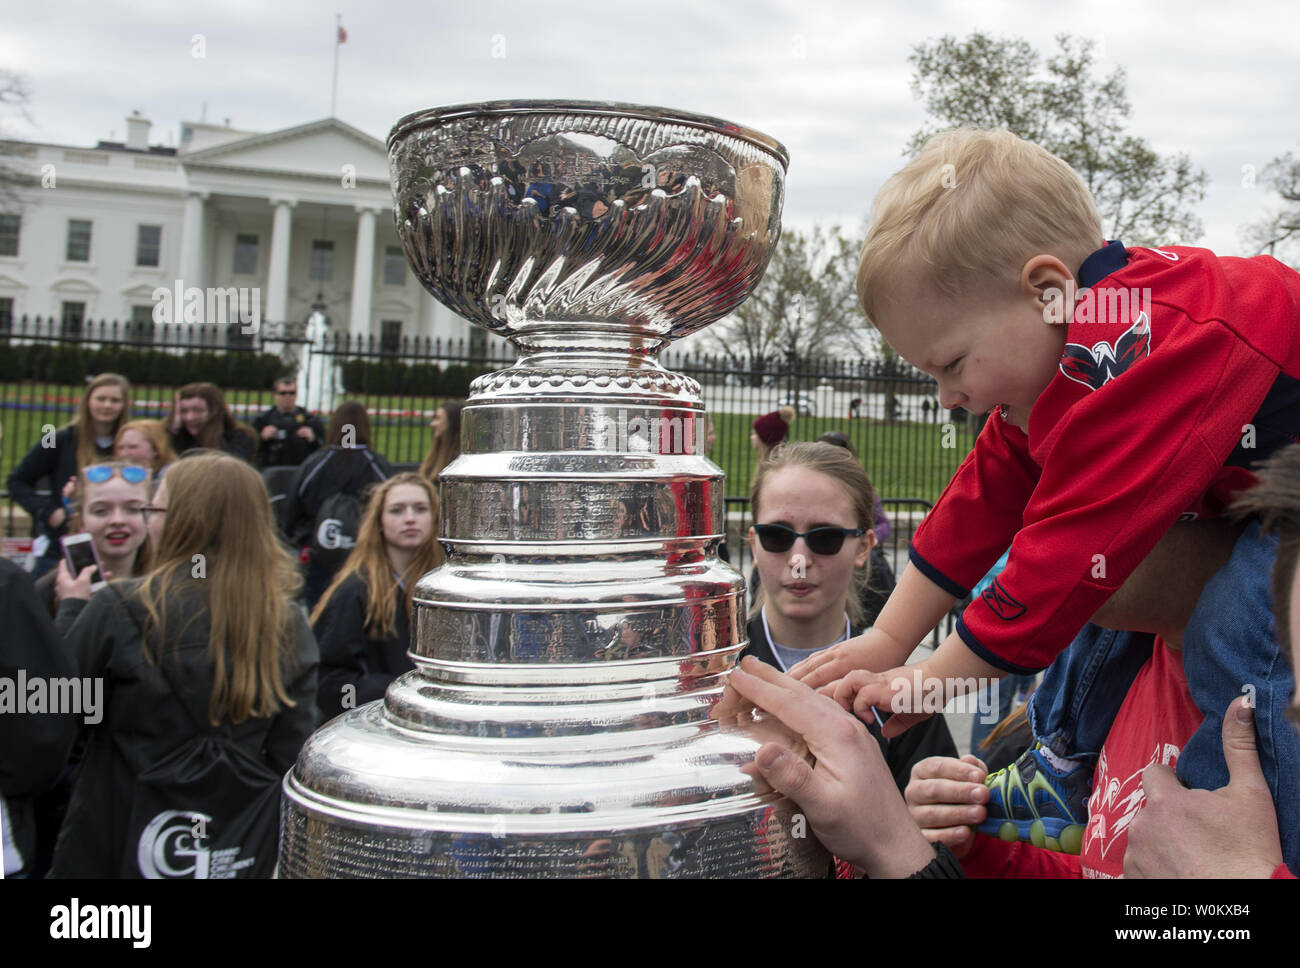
point(105, 406)
point(363, 621)
point(208, 643)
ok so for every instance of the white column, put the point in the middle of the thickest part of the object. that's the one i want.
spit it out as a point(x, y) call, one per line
point(428, 315)
point(192, 237)
point(363, 273)
point(277, 283)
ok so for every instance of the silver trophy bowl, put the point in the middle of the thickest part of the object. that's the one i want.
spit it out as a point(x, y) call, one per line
point(568, 652)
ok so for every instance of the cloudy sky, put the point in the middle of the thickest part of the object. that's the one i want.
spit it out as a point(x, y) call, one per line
point(1218, 80)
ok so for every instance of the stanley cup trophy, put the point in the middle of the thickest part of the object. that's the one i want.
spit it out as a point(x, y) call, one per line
point(568, 652)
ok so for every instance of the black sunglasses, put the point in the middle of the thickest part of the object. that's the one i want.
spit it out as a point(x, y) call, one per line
point(821, 541)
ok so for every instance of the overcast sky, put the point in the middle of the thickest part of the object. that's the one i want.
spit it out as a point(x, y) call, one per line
point(1218, 80)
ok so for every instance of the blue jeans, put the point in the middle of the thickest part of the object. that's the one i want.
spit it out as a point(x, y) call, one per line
point(1005, 691)
point(1072, 710)
point(1230, 648)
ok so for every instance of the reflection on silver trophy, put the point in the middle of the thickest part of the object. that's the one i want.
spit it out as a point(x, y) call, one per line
point(568, 652)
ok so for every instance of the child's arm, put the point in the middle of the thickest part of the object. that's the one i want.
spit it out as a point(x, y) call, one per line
point(915, 606)
point(915, 692)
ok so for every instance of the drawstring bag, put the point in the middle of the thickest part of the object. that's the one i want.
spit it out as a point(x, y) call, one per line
point(207, 809)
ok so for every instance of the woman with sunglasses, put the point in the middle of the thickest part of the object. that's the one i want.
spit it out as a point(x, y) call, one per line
point(111, 495)
point(811, 538)
point(104, 407)
point(208, 645)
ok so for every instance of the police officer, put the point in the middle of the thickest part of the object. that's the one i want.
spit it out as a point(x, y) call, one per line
point(289, 433)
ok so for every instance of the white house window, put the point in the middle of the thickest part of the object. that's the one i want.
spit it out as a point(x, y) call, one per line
point(73, 314)
point(390, 338)
point(9, 228)
point(245, 254)
point(322, 259)
point(394, 266)
point(148, 243)
point(141, 329)
point(6, 314)
point(78, 240)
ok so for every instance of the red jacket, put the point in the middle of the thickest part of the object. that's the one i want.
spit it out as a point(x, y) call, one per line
point(1154, 413)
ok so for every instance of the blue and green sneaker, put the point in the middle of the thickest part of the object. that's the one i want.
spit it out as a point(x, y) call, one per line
point(1032, 800)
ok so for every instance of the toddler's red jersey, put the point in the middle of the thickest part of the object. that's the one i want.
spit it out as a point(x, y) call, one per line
point(1181, 370)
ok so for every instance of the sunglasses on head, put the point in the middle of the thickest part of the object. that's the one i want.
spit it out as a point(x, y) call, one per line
point(99, 473)
point(821, 541)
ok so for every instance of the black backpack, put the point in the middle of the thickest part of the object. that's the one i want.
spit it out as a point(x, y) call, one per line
point(207, 809)
point(334, 533)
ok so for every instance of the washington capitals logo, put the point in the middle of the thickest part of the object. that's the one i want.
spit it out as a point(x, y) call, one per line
point(1003, 605)
point(1096, 367)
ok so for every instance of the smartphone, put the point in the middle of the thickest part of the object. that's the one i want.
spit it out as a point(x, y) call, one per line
point(79, 551)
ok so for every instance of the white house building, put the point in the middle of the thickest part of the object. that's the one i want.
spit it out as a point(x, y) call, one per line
point(299, 216)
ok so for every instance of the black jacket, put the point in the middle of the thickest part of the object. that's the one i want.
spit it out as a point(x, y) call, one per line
point(349, 656)
point(927, 738)
point(240, 442)
point(53, 466)
point(334, 470)
point(287, 448)
point(33, 745)
point(144, 720)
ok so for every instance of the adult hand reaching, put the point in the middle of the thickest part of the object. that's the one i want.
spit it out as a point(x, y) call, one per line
point(1229, 832)
point(848, 796)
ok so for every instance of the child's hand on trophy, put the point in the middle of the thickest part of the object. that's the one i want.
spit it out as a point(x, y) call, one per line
point(873, 650)
point(895, 694)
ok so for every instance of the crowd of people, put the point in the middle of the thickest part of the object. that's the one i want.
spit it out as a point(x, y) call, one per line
point(221, 639)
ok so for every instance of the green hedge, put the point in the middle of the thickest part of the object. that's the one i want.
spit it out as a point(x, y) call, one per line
point(415, 379)
point(50, 363)
point(53, 363)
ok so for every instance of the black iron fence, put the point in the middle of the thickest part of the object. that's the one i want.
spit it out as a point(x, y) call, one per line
point(890, 412)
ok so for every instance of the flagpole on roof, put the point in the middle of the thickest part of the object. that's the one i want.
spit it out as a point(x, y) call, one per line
point(339, 37)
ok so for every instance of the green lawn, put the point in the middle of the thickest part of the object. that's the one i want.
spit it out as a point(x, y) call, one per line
point(902, 459)
point(905, 460)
